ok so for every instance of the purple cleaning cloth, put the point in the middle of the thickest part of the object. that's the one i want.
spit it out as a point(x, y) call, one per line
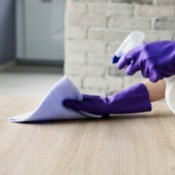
point(51, 107)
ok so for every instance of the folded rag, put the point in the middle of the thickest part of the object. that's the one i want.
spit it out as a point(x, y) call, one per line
point(51, 107)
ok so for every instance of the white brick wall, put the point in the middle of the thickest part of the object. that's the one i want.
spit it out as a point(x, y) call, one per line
point(162, 2)
point(129, 23)
point(154, 11)
point(87, 20)
point(75, 57)
point(98, 59)
point(110, 9)
point(85, 45)
point(77, 8)
point(75, 32)
point(95, 28)
point(85, 70)
point(106, 34)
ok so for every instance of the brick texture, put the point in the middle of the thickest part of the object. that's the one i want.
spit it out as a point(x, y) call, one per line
point(164, 2)
point(110, 9)
point(98, 83)
point(134, 1)
point(129, 23)
point(165, 24)
point(156, 11)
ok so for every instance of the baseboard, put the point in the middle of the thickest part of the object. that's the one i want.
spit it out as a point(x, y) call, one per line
point(8, 65)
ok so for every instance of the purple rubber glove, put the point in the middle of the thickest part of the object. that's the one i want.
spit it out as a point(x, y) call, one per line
point(156, 60)
point(132, 100)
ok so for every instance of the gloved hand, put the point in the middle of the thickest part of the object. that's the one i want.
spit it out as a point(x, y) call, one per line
point(132, 100)
point(156, 60)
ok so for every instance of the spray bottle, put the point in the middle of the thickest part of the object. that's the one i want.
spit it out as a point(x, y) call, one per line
point(133, 40)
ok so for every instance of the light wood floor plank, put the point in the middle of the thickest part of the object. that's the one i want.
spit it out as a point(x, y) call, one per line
point(142, 144)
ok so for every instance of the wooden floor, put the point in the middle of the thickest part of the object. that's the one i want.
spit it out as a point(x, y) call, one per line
point(142, 144)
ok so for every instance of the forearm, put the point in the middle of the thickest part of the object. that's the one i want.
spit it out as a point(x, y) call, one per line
point(156, 90)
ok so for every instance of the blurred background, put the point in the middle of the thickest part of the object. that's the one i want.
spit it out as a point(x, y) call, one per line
point(42, 40)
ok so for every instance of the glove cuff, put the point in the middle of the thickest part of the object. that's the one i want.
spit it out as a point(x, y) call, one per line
point(132, 100)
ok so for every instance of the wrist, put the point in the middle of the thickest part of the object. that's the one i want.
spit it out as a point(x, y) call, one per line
point(156, 91)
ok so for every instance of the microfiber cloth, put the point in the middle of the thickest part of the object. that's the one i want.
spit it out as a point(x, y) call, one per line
point(51, 107)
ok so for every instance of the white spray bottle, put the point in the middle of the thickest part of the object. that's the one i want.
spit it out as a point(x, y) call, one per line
point(133, 40)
